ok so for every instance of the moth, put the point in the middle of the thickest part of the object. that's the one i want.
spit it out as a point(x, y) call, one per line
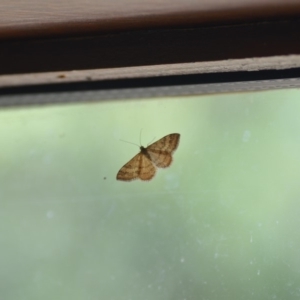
point(157, 155)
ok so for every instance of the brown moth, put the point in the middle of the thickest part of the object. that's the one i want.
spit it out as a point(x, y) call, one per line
point(143, 165)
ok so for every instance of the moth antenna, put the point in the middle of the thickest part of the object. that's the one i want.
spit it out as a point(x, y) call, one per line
point(129, 143)
point(141, 136)
point(151, 141)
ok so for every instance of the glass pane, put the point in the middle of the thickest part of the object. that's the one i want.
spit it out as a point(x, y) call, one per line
point(221, 223)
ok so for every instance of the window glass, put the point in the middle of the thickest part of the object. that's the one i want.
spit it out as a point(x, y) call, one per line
point(220, 223)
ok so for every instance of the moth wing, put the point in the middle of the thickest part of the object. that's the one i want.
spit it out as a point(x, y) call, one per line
point(130, 170)
point(168, 143)
point(147, 169)
point(161, 151)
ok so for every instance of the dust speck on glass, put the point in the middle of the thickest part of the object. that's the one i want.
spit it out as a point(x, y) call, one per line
point(220, 223)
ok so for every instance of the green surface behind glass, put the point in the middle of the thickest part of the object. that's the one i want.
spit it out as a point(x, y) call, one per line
point(221, 223)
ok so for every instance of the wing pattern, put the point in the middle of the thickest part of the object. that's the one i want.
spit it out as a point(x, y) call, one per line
point(161, 151)
point(130, 171)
